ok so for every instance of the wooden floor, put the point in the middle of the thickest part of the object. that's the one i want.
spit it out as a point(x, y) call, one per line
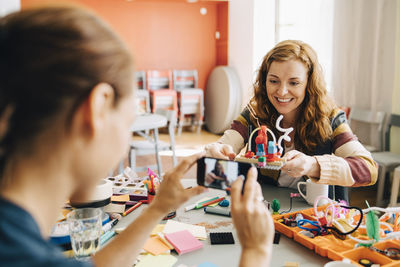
point(189, 143)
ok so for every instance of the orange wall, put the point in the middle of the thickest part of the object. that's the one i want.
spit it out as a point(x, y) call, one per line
point(161, 34)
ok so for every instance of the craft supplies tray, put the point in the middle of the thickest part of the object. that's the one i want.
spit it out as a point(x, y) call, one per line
point(134, 187)
point(335, 248)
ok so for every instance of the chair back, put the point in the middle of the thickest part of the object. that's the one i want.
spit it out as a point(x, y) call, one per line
point(185, 79)
point(374, 118)
point(394, 120)
point(141, 79)
point(159, 79)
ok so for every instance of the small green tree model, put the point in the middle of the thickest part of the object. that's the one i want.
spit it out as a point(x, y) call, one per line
point(275, 206)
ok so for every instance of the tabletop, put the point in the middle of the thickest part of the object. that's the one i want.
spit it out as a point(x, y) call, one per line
point(229, 255)
point(148, 121)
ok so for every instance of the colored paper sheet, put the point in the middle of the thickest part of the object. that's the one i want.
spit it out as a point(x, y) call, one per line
point(183, 241)
point(158, 229)
point(121, 198)
point(174, 226)
point(162, 238)
point(118, 208)
point(155, 246)
point(159, 261)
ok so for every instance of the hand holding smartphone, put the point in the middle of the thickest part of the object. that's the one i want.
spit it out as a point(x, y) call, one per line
point(219, 173)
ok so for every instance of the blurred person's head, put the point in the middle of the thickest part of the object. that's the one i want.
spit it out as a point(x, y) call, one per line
point(66, 92)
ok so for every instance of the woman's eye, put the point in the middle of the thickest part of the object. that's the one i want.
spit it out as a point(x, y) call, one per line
point(294, 83)
point(273, 81)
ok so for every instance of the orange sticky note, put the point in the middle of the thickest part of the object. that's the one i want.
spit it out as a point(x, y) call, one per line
point(121, 198)
point(155, 246)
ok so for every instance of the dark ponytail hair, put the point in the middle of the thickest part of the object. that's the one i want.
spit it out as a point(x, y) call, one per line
point(51, 58)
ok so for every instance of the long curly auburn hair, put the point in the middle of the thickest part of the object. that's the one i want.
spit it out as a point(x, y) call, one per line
point(312, 127)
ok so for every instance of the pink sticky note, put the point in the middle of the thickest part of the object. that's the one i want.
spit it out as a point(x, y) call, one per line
point(183, 241)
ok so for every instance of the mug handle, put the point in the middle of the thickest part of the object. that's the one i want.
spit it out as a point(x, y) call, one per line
point(298, 189)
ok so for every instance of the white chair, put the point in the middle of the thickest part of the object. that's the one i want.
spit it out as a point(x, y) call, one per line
point(142, 93)
point(190, 98)
point(374, 118)
point(149, 147)
point(387, 160)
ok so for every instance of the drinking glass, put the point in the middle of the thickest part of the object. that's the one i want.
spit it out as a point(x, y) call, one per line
point(85, 231)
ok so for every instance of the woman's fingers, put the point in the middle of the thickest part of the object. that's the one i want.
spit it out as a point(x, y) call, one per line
point(236, 191)
point(227, 150)
point(249, 186)
point(191, 192)
point(220, 151)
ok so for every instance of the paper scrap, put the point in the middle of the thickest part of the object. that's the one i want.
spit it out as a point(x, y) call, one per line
point(159, 261)
point(155, 246)
point(174, 226)
point(118, 208)
point(121, 198)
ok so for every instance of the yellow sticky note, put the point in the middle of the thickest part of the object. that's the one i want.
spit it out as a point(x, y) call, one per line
point(155, 246)
point(158, 229)
point(121, 198)
point(159, 261)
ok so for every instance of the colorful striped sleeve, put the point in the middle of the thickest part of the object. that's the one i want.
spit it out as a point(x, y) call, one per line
point(351, 164)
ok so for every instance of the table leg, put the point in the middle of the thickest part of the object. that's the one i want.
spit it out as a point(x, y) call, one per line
point(381, 185)
point(157, 152)
point(395, 187)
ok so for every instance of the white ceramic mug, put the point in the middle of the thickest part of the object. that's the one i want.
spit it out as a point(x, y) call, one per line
point(313, 191)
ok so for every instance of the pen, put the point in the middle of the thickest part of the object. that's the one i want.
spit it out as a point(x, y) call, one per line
point(212, 210)
point(131, 209)
point(109, 225)
point(203, 204)
point(193, 206)
point(104, 238)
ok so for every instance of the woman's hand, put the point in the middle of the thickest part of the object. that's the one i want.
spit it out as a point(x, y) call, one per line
point(171, 193)
point(299, 164)
point(252, 221)
point(220, 151)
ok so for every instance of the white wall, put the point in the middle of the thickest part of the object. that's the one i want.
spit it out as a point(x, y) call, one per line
point(251, 36)
point(9, 6)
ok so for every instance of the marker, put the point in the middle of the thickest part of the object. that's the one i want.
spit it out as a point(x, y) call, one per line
point(212, 210)
point(109, 225)
point(104, 238)
point(204, 204)
point(131, 209)
point(193, 206)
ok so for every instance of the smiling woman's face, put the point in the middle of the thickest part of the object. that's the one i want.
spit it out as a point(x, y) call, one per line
point(286, 86)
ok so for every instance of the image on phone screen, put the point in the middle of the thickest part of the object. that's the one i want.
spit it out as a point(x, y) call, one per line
point(219, 174)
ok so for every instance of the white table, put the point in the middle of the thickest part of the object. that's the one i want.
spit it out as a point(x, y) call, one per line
point(228, 255)
point(145, 122)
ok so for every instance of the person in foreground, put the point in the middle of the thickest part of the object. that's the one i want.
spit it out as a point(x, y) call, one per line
point(66, 98)
point(290, 82)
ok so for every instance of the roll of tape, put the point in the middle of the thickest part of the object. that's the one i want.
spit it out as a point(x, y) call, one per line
point(103, 191)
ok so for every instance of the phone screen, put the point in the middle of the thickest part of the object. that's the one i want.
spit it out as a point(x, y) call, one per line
point(218, 173)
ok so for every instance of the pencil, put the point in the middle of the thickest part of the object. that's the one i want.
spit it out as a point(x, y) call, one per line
point(201, 205)
point(131, 209)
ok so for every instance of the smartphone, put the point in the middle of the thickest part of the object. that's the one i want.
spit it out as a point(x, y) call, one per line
point(219, 173)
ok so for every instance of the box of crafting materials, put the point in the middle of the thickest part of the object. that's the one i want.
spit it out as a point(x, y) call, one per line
point(368, 237)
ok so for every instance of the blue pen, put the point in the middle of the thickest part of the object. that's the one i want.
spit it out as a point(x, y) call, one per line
point(107, 236)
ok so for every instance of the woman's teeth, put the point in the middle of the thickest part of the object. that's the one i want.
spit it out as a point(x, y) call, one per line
point(284, 100)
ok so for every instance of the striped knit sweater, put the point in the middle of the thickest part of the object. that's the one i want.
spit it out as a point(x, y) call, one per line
point(349, 163)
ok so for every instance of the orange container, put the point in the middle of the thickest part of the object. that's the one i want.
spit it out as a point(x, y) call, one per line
point(334, 248)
